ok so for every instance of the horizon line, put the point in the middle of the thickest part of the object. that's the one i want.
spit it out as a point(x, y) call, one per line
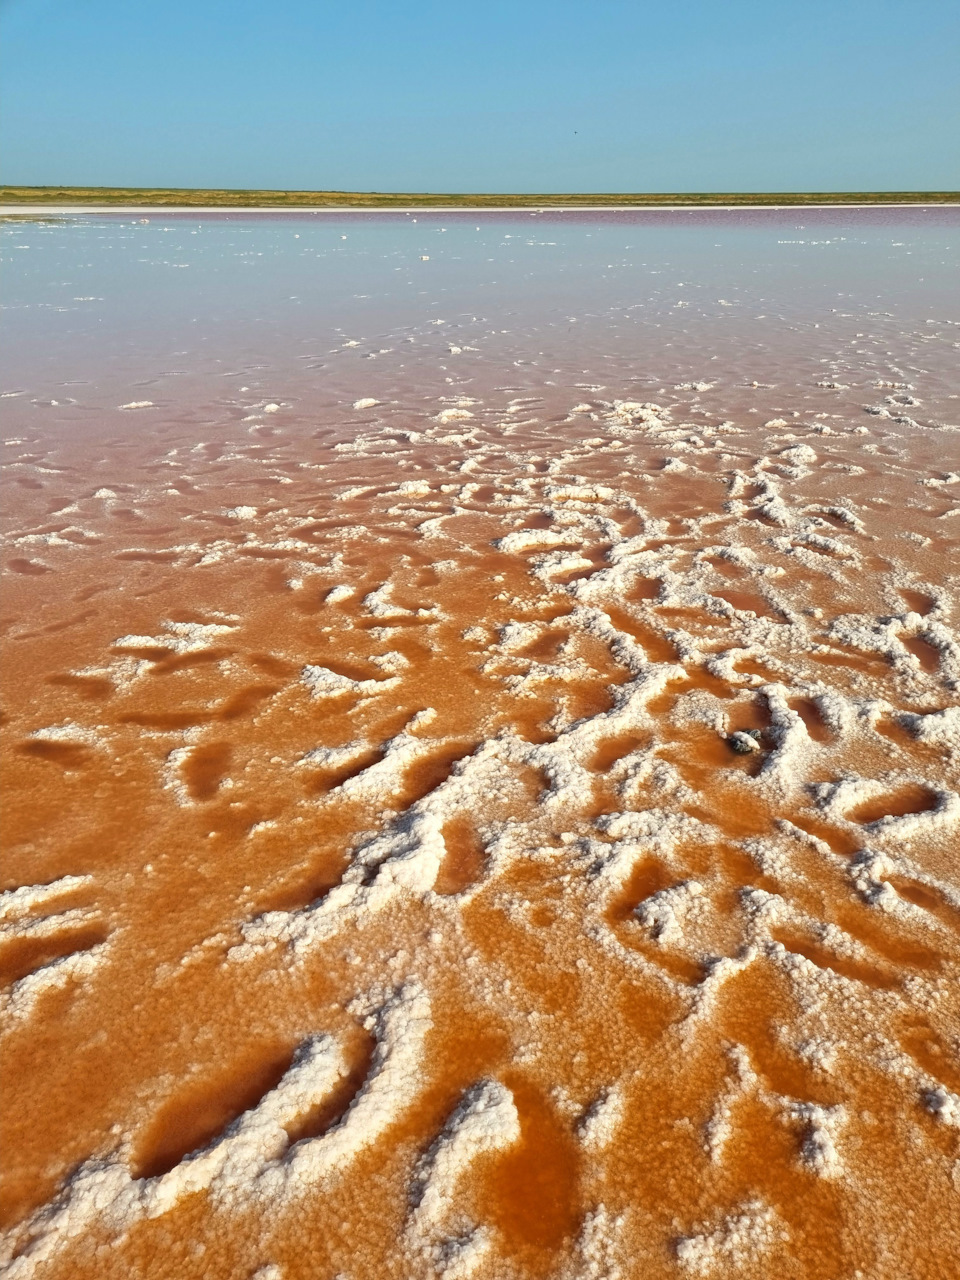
point(240, 197)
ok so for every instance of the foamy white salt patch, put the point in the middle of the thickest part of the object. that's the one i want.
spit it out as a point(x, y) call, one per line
point(19, 1002)
point(666, 912)
point(433, 527)
point(393, 662)
point(563, 762)
point(838, 799)
point(47, 926)
point(792, 744)
point(580, 492)
point(821, 1127)
point(841, 513)
point(630, 413)
point(602, 1120)
point(609, 865)
point(333, 757)
point(801, 455)
point(69, 732)
point(253, 1160)
point(599, 1250)
point(868, 871)
point(138, 404)
point(381, 605)
point(383, 777)
point(365, 402)
point(180, 637)
point(945, 1105)
point(241, 513)
point(648, 827)
point(486, 1120)
point(884, 636)
point(15, 903)
point(763, 911)
point(703, 998)
point(339, 593)
point(458, 1257)
point(936, 728)
point(739, 1240)
point(322, 682)
point(394, 1081)
point(414, 488)
point(104, 1191)
point(59, 538)
point(403, 859)
point(745, 1082)
point(526, 539)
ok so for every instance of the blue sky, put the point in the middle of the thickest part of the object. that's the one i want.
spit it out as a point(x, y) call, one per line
point(494, 95)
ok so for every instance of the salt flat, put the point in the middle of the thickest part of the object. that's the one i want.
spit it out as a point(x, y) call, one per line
point(482, 745)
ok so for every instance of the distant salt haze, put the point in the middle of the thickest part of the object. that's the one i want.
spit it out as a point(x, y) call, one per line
point(482, 746)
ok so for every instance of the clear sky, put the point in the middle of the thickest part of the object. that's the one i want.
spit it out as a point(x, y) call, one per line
point(482, 95)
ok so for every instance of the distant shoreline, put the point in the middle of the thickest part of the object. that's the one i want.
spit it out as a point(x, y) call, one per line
point(31, 201)
point(83, 210)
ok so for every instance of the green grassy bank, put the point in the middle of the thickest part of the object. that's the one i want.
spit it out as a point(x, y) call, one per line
point(195, 197)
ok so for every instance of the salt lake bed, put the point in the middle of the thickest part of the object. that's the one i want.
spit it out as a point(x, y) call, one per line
point(482, 745)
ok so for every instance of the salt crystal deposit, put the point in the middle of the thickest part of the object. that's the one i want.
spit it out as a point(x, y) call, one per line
point(511, 833)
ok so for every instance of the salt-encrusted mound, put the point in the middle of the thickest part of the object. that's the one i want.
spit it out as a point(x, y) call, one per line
point(486, 1120)
point(253, 1162)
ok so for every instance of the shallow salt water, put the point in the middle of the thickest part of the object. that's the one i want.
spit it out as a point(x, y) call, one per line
point(385, 597)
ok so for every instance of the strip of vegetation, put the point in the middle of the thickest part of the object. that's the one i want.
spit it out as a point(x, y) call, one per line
point(200, 198)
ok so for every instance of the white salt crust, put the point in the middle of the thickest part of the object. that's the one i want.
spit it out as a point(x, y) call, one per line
point(15, 903)
point(322, 682)
point(818, 1127)
point(744, 1236)
point(665, 913)
point(603, 1118)
point(935, 729)
point(405, 858)
point(17, 921)
point(46, 926)
point(944, 1105)
point(599, 1250)
point(400, 861)
point(485, 1120)
point(838, 798)
point(67, 733)
point(19, 1003)
point(437, 1231)
point(253, 1161)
